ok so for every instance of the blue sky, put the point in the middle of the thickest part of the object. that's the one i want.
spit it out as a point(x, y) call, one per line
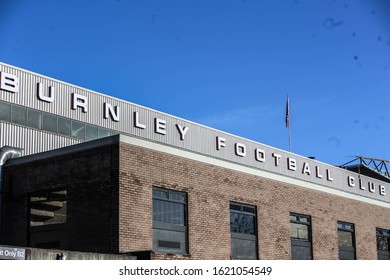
point(227, 64)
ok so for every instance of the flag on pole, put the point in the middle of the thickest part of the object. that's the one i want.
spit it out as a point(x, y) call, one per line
point(288, 113)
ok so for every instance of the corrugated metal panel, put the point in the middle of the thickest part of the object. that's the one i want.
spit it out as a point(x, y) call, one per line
point(27, 96)
point(31, 140)
point(199, 139)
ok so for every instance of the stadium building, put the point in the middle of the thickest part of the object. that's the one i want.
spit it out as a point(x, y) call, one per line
point(83, 171)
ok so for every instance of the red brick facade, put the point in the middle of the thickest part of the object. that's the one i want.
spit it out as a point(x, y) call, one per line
point(210, 189)
point(110, 204)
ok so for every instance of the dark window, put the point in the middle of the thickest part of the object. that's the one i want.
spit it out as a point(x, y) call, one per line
point(103, 132)
point(19, 115)
point(169, 221)
point(91, 132)
point(78, 130)
point(34, 119)
point(243, 231)
point(346, 233)
point(64, 126)
point(5, 111)
point(49, 122)
point(52, 123)
point(300, 234)
point(383, 243)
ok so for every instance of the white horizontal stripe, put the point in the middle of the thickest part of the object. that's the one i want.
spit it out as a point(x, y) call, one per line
point(245, 169)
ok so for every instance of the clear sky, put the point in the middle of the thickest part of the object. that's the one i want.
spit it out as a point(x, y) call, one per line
point(227, 64)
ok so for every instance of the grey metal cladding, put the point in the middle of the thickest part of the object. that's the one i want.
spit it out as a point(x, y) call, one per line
point(30, 140)
point(141, 122)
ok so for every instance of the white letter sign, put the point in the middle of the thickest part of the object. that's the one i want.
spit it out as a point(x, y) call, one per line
point(79, 101)
point(182, 131)
point(109, 111)
point(220, 142)
point(9, 82)
point(137, 122)
point(160, 126)
point(50, 98)
point(240, 149)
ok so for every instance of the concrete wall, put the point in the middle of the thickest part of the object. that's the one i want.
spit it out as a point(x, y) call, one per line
point(23, 253)
point(43, 254)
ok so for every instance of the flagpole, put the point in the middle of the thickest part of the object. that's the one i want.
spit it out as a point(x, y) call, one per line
point(288, 123)
point(289, 139)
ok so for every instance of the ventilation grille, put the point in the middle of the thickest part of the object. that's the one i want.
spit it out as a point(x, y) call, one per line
point(169, 244)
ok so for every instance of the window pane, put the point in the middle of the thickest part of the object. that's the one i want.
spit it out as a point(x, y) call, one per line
point(168, 212)
point(103, 132)
point(299, 231)
point(78, 130)
point(5, 111)
point(176, 196)
point(345, 226)
point(177, 214)
point(242, 223)
point(165, 212)
point(243, 249)
point(304, 219)
point(157, 211)
point(49, 122)
point(91, 132)
point(382, 243)
point(169, 241)
point(293, 218)
point(159, 193)
point(383, 232)
point(345, 239)
point(19, 115)
point(348, 227)
point(34, 119)
point(64, 126)
point(235, 207)
point(248, 209)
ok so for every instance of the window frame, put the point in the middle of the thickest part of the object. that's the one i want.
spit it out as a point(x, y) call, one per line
point(244, 236)
point(7, 116)
point(341, 227)
point(169, 227)
point(30, 119)
point(382, 254)
point(301, 243)
point(16, 112)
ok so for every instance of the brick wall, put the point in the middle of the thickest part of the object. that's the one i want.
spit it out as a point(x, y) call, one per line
point(210, 189)
point(109, 192)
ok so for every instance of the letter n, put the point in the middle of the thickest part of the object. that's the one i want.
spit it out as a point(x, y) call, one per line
point(111, 112)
